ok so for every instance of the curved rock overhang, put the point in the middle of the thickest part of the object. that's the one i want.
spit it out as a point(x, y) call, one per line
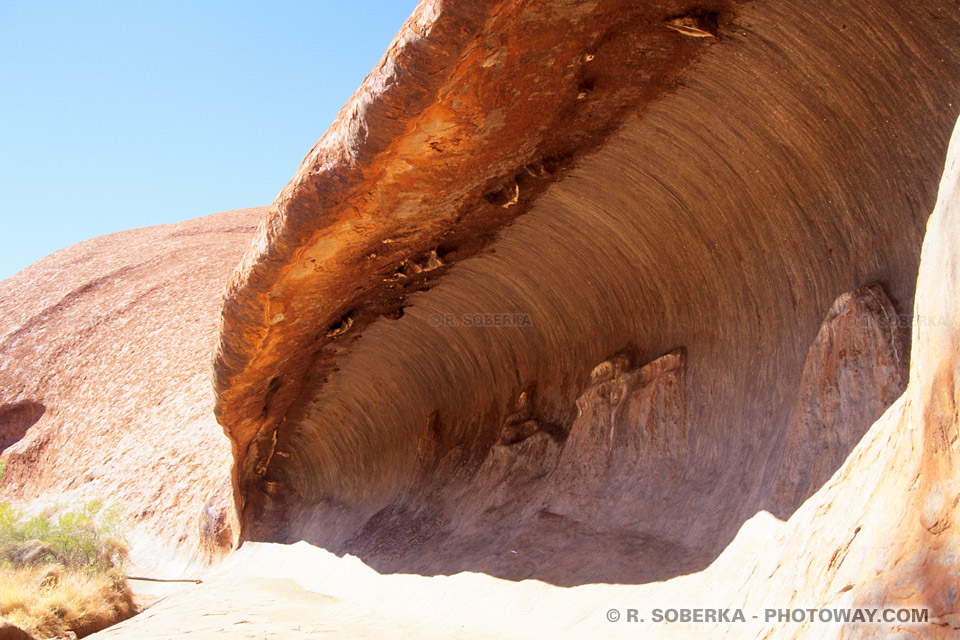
point(521, 191)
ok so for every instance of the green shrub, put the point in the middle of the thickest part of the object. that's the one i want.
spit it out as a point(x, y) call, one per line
point(89, 538)
point(8, 522)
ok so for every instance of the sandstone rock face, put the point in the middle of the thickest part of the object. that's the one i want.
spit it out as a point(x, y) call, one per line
point(883, 531)
point(856, 368)
point(518, 193)
point(880, 535)
point(550, 505)
point(104, 379)
point(571, 292)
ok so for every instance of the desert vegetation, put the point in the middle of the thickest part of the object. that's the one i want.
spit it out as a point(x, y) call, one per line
point(63, 569)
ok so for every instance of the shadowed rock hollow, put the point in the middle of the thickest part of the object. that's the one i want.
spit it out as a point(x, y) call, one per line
point(879, 536)
point(572, 290)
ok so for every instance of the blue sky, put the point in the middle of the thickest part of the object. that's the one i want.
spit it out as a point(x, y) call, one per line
point(117, 115)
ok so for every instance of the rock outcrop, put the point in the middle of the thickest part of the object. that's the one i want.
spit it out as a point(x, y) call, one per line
point(519, 192)
point(856, 368)
point(9, 631)
point(548, 504)
point(105, 382)
point(575, 291)
point(879, 539)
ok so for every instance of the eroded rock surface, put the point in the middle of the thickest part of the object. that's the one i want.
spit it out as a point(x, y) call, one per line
point(880, 535)
point(746, 164)
point(561, 506)
point(9, 631)
point(105, 385)
point(856, 368)
point(407, 364)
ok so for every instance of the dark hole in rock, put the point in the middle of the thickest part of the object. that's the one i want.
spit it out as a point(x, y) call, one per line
point(586, 86)
point(16, 418)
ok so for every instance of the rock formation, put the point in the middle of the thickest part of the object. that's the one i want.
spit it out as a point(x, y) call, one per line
point(105, 383)
point(856, 368)
point(879, 536)
point(575, 291)
point(519, 192)
point(10, 631)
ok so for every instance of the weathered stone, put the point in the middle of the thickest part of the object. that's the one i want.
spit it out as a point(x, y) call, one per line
point(855, 369)
point(407, 363)
point(880, 535)
point(104, 379)
point(9, 631)
point(625, 178)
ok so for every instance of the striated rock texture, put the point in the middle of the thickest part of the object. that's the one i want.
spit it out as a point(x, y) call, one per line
point(105, 383)
point(520, 191)
point(880, 536)
point(476, 108)
point(570, 291)
point(856, 368)
point(547, 504)
point(883, 532)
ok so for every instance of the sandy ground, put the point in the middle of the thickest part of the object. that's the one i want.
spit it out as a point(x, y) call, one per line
point(300, 591)
point(230, 606)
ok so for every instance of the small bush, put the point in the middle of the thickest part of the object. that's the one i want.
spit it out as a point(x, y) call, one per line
point(89, 538)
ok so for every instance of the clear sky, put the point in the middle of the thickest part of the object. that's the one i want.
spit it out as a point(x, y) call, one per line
point(123, 114)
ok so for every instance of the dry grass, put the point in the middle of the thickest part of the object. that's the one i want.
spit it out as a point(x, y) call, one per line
point(62, 571)
point(48, 601)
